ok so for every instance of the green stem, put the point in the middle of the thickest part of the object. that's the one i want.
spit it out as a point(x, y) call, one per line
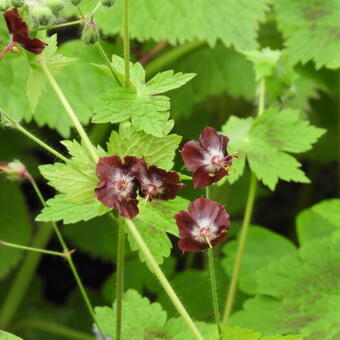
point(65, 24)
point(154, 267)
point(120, 279)
point(71, 114)
point(36, 250)
point(213, 279)
point(24, 277)
point(95, 9)
point(107, 60)
point(69, 261)
point(35, 139)
point(262, 97)
point(53, 328)
point(126, 42)
point(214, 291)
point(240, 249)
point(246, 221)
point(171, 56)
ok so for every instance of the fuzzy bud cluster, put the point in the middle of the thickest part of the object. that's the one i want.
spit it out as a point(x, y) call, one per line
point(15, 170)
point(90, 34)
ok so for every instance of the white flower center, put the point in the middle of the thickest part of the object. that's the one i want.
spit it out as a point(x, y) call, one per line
point(123, 184)
point(204, 230)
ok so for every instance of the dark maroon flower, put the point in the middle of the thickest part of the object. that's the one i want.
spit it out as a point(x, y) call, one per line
point(19, 34)
point(156, 183)
point(209, 158)
point(118, 186)
point(205, 225)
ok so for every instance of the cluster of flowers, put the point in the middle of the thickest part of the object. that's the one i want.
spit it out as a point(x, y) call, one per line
point(19, 34)
point(206, 223)
point(121, 180)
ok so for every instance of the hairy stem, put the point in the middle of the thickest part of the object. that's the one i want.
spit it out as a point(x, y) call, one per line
point(108, 62)
point(65, 24)
point(154, 267)
point(24, 276)
point(213, 279)
point(71, 114)
point(240, 249)
point(126, 42)
point(69, 260)
point(35, 139)
point(120, 279)
point(246, 220)
point(214, 290)
point(33, 249)
point(53, 328)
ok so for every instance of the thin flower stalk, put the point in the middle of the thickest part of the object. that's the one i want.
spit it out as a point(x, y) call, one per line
point(212, 275)
point(245, 224)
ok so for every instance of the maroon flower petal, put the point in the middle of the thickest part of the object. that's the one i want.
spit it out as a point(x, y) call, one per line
point(187, 244)
point(127, 208)
point(210, 140)
point(185, 223)
point(118, 186)
point(156, 183)
point(205, 224)
point(14, 22)
point(194, 156)
point(35, 46)
point(202, 177)
point(19, 34)
point(203, 208)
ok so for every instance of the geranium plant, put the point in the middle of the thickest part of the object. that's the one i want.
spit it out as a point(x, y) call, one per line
point(102, 94)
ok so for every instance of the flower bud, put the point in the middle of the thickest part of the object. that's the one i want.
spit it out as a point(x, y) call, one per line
point(55, 5)
point(17, 3)
point(108, 3)
point(15, 171)
point(4, 5)
point(75, 2)
point(90, 33)
point(41, 15)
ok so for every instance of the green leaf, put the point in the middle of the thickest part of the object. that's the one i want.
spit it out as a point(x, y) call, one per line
point(15, 224)
point(218, 70)
point(60, 209)
point(164, 20)
point(142, 104)
point(166, 81)
point(319, 221)
point(77, 179)
point(260, 243)
point(264, 142)
point(80, 83)
point(145, 320)
point(300, 293)
point(36, 82)
point(7, 336)
point(159, 151)
point(153, 222)
point(237, 333)
point(264, 61)
point(315, 23)
point(286, 131)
